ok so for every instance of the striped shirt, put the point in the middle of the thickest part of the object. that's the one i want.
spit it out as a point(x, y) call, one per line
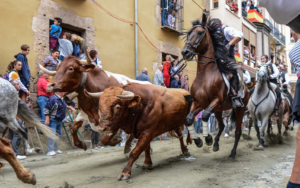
point(295, 56)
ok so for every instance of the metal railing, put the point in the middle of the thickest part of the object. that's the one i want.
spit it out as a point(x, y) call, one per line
point(244, 13)
point(268, 23)
point(276, 33)
point(282, 38)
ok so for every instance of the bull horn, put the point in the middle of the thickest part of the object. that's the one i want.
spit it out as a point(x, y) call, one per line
point(92, 95)
point(72, 96)
point(127, 95)
point(83, 62)
point(51, 73)
point(87, 55)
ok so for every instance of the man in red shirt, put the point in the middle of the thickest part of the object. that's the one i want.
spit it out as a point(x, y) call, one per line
point(42, 94)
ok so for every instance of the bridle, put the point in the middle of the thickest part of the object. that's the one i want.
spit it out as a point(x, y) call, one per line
point(194, 47)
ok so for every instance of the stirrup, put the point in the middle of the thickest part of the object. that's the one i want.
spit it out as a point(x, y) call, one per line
point(234, 105)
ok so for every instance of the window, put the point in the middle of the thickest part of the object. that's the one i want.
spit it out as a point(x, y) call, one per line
point(164, 57)
point(215, 3)
point(171, 14)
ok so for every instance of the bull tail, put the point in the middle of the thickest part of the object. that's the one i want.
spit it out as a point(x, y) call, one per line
point(31, 119)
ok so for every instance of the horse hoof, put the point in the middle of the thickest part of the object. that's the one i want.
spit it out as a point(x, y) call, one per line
point(280, 142)
point(147, 167)
point(231, 157)
point(198, 142)
point(209, 140)
point(285, 133)
point(123, 177)
point(186, 154)
point(216, 148)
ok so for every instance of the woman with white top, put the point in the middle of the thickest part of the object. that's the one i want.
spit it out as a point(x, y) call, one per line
point(13, 69)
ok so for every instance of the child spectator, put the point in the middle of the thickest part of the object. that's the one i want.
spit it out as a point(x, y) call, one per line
point(55, 31)
point(95, 60)
point(24, 73)
point(51, 62)
point(65, 46)
point(13, 69)
point(55, 112)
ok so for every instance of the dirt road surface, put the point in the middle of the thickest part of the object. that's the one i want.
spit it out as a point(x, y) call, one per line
point(204, 168)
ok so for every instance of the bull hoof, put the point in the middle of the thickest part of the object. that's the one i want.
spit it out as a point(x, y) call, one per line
point(198, 142)
point(81, 145)
point(209, 140)
point(123, 177)
point(33, 181)
point(216, 148)
point(285, 133)
point(186, 154)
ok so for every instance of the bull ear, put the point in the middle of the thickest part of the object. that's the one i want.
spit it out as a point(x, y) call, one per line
point(86, 68)
point(135, 101)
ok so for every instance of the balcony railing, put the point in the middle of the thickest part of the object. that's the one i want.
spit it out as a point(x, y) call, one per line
point(268, 23)
point(282, 38)
point(244, 13)
point(276, 33)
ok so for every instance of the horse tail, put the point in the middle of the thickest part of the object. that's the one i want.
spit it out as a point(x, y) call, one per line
point(189, 138)
point(31, 119)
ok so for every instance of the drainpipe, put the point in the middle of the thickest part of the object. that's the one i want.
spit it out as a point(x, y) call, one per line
point(136, 39)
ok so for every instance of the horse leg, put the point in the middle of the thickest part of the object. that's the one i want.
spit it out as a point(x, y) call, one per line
point(286, 122)
point(205, 116)
point(218, 116)
point(264, 123)
point(238, 130)
point(256, 128)
point(184, 148)
point(195, 109)
point(148, 162)
point(142, 144)
point(279, 125)
point(74, 129)
point(7, 154)
point(250, 125)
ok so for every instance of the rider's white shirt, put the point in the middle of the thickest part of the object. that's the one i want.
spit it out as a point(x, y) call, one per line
point(287, 79)
point(230, 33)
point(247, 77)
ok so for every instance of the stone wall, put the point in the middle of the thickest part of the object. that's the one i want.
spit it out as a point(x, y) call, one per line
point(40, 26)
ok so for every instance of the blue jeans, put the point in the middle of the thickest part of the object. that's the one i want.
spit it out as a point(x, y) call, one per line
point(42, 101)
point(56, 126)
point(164, 17)
point(211, 123)
point(292, 185)
point(198, 124)
point(61, 57)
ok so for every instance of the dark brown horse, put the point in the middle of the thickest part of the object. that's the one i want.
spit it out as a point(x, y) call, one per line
point(209, 90)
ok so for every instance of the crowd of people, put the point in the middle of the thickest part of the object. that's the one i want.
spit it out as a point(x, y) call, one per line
point(168, 12)
point(247, 5)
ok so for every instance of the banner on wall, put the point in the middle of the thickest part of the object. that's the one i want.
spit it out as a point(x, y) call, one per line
point(254, 16)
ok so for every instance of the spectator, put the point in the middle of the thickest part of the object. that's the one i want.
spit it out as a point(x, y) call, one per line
point(180, 78)
point(248, 6)
point(246, 51)
point(82, 55)
point(144, 76)
point(175, 67)
point(14, 137)
point(95, 60)
point(76, 41)
point(244, 4)
point(158, 77)
point(171, 19)
point(95, 140)
point(185, 83)
point(164, 5)
point(198, 122)
point(24, 73)
point(55, 31)
point(166, 74)
point(252, 6)
point(55, 113)
point(234, 8)
point(42, 94)
point(51, 62)
point(13, 68)
point(65, 46)
point(174, 82)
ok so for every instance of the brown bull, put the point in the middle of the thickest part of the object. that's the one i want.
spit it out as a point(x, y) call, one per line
point(74, 75)
point(145, 112)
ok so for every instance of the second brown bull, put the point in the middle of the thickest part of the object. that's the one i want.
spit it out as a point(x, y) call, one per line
point(145, 111)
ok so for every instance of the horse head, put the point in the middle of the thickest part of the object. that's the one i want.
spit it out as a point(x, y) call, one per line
point(263, 73)
point(196, 40)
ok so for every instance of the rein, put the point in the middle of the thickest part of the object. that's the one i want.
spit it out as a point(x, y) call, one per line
point(82, 83)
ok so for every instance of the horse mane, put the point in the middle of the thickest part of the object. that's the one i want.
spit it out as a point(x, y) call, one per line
point(214, 26)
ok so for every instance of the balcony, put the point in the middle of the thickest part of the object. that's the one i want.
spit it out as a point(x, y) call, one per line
point(282, 38)
point(244, 13)
point(276, 33)
point(268, 23)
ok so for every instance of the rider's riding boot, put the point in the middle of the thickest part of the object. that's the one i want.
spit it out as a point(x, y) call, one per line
point(277, 105)
point(236, 100)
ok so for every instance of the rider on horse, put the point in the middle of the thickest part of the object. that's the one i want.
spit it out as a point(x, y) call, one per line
point(286, 81)
point(274, 74)
point(231, 38)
